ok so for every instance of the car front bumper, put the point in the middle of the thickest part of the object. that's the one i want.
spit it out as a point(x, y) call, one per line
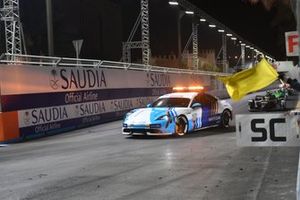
point(157, 129)
point(150, 132)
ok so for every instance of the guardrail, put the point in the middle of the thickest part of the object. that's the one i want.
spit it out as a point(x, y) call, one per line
point(73, 62)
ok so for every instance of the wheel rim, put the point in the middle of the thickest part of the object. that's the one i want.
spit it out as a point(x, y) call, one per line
point(226, 118)
point(181, 127)
point(283, 104)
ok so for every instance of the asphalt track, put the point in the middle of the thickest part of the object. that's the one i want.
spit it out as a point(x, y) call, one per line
point(99, 163)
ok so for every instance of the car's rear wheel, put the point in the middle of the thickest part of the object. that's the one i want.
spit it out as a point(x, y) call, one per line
point(225, 118)
point(251, 106)
point(181, 126)
point(283, 104)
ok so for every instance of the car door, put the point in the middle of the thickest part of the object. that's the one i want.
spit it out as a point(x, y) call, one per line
point(206, 108)
point(209, 109)
point(199, 112)
point(196, 116)
point(213, 117)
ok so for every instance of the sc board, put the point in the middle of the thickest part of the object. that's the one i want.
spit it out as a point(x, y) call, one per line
point(274, 129)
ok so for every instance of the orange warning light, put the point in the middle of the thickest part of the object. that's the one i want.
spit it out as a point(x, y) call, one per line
point(190, 88)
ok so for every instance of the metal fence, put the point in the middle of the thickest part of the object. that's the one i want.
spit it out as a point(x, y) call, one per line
point(16, 59)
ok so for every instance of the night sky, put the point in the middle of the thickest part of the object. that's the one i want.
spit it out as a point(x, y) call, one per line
point(261, 25)
point(105, 24)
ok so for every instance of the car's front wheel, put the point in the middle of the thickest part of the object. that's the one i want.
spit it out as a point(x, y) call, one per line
point(283, 104)
point(225, 118)
point(181, 126)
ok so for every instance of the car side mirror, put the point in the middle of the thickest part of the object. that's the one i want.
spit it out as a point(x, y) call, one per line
point(196, 105)
point(149, 105)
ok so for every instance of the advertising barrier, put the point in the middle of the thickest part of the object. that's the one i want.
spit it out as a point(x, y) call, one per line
point(44, 100)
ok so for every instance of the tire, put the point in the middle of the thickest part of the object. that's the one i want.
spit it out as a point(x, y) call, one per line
point(283, 104)
point(181, 126)
point(225, 118)
point(250, 106)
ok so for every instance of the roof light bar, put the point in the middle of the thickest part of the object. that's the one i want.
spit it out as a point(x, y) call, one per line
point(196, 88)
point(178, 88)
point(190, 88)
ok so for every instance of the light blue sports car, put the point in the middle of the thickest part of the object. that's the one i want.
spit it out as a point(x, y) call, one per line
point(178, 113)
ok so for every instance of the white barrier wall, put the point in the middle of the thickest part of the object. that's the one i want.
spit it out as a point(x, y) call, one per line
point(42, 100)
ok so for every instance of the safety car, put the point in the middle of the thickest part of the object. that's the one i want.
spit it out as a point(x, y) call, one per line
point(178, 113)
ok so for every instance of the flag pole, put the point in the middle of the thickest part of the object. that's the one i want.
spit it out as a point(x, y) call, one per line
point(281, 81)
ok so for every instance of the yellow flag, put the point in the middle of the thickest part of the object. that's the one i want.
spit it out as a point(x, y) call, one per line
point(249, 80)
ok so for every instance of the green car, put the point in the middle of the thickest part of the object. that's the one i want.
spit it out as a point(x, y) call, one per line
point(272, 101)
point(279, 94)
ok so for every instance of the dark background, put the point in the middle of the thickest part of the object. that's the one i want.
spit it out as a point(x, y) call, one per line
point(105, 24)
point(262, 24)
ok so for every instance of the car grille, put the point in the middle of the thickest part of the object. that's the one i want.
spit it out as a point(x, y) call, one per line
point(138, 130)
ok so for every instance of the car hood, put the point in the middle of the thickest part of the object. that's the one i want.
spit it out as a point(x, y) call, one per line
point(145, 115)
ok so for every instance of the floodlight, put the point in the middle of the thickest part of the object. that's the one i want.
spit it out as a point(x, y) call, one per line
point(188, 12)
point(173, 3)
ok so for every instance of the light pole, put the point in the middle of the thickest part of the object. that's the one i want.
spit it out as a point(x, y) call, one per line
point(224, 48)
point(243, 55)
point(49, 27)
point(180, 15)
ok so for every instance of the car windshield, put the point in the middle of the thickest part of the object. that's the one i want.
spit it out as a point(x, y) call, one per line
point(171, 102)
